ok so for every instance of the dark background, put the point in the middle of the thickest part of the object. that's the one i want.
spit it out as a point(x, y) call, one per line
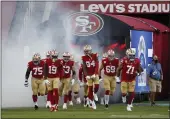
point(162, 18)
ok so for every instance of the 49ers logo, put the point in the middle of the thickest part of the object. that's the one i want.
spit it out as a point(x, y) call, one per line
point(85, 23)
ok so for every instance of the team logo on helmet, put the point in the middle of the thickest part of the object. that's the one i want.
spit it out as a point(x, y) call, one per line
point(85, 23)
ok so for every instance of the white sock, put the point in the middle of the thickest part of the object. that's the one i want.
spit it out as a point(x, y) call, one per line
point(88, 101)
point(102, 99)
point(45, 97)
point(36, 103)
point(106, 99)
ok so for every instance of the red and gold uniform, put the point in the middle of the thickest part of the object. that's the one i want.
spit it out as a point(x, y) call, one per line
point(37, 77)
point(129, 67)
point(110, 67)
point(66, 80)
point(129, 73)
point(53, 72)
point(91, 64)
point(90, 69)
point(82, 78)
point(36, 67)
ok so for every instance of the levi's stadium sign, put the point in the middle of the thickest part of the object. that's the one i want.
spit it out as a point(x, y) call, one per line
point(120, 7)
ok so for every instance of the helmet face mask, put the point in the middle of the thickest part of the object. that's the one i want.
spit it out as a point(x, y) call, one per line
point(87, 50)
point(36, 58)
point(111, 57)
point(132, 57)
point(66, 59)
point(130, 54)
point(111, 54)
point(54, 55)
point(105, 55)
point(66, 56)
point(48, 55)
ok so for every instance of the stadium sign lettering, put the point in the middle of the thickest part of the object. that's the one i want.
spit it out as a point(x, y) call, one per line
point(126, 8)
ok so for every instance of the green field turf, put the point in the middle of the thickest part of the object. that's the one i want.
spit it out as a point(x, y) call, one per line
point(78, 111)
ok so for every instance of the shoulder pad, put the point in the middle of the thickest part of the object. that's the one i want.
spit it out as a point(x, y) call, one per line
point(29, 64)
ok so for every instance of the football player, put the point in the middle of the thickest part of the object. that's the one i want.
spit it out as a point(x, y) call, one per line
point(36, 66)
point(83, 82)
point(75, 86)
point(68, 66)
point(53, 72)
point(101, 84)
point(90, 70)
point(129, 68)
point(48, 104)
point(109, 65)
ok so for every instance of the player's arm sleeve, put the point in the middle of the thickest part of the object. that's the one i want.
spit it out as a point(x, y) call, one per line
point(27, 73)
point(97, 65)
point(80, 73)
point(74, 70)
point(61, 70)
point(100, 69)
point(84, 68)
point(45, 70)
point(119, 69)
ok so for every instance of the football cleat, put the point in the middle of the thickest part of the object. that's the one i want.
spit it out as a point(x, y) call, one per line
point(106, 105)
point(65, 106)
point(124, 99)
point(36, 107)
point(95, 97)
point(52, 109)
point(128, 108)
point(78, 100)
point(131, 105)
point(55, 108)
point(93, 105)
point(152, 103)
point(48, 104)
point(70, 103)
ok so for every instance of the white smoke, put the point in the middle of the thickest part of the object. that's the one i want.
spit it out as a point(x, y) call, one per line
point(16, 54)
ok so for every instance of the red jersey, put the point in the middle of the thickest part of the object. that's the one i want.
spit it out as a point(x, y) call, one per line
point(55, 69)
point(67, 66)
point(129, 69)
point(37, 70)
point(81, 75)
point(110, 66)
point(91, 63)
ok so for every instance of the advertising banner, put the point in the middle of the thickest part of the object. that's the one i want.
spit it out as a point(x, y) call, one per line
point(141, 41)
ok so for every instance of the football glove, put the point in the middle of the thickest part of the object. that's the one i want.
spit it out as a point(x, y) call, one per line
point(81, 84)
point(87, 77)
point(100, 80)
point(93, 76)
point(46, 82)
point(26, 83)
point(117, 80)
point(72, 81)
